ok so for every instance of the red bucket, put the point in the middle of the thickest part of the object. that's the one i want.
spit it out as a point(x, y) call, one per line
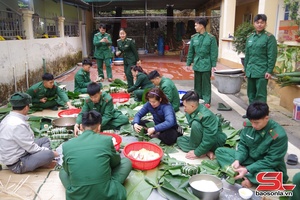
point(120, 97)
point(69, 113)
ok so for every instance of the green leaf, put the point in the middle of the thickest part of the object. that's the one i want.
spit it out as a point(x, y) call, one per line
point(127, 128)
point(169, 149)
point(169, 194)
point(178, 186)
point(150, 124)
point(175, 172)
point(5, 110)
point(73, 95)
point(155, 141)
point(136, 186)
point(151, 176)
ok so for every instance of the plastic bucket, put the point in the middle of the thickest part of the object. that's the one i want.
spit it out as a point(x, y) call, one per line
point(296, 110)
point(229, 83)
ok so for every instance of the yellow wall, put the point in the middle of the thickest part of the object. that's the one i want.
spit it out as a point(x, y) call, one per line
point(10, 4)
point(50, 9)
point(245, 9)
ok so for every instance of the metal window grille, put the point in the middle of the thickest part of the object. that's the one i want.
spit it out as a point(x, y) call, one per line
point(44, 26)
point(11, 25)
point(71, 29)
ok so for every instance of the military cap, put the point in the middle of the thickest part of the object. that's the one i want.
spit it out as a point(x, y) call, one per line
point(20, 99)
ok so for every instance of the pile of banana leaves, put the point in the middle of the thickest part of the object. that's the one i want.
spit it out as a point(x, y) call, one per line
point(288, 78)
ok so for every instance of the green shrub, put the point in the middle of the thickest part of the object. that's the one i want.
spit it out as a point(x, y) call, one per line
point(240, 36)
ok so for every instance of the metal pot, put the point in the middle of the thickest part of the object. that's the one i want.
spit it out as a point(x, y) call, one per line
point(229, 83)
point(67, 122)
point(204, 195)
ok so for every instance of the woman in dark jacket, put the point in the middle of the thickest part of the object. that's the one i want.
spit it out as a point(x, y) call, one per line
point(141, 84)
point(163, 116)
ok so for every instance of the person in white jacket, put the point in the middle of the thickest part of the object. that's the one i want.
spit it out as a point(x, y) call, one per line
point(19, 150)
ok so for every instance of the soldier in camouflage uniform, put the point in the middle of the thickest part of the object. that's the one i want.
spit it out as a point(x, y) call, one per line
point(203, 53)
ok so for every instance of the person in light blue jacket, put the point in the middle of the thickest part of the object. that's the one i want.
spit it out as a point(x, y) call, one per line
point(166, 127)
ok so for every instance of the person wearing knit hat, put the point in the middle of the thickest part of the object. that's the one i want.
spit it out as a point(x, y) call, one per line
point(19, 99)
point(19, 150)
point(47, 94)
point(203, 53)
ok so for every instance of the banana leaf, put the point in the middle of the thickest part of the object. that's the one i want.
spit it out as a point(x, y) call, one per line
point(152, 176)
point(150, 124)
point(2, 116)
point(5, 110)
point(169, 149)
point(230, 133)
point(136, 186)
point(175, 187)
point(127, 128)
point(176, 172)
point(73, 95)
point(126, 110)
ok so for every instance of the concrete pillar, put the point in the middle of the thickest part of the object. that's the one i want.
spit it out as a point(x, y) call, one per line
point(27, 23)
point(61, 26)
point(227, 18)
point(170, 24)
point(31, 5)
point(269, 8)
point(83, 39)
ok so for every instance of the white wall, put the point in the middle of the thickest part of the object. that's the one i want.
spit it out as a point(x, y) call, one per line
point(15, 53)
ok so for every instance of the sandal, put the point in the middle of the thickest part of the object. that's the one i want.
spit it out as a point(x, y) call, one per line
point(222, 107)
point(292, 159)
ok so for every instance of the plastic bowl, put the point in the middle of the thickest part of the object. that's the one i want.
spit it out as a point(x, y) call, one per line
point(120, 97)
point(245, 193)
point(117, 137)
point(69, 113)
point(139, 164)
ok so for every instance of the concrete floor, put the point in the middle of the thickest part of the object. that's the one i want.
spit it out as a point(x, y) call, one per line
point(46, 183)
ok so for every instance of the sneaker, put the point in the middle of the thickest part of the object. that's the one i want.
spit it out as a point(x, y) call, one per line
point(100, 79)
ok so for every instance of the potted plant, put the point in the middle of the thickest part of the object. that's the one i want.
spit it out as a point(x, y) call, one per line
point(240, 36)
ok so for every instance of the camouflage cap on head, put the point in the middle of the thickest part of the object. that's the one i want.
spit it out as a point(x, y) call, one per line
point(20, 99)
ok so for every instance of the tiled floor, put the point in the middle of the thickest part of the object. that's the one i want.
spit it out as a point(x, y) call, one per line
point(168, 66)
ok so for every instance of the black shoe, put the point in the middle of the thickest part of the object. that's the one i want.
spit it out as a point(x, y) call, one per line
point(244, 116)
point(54, 108)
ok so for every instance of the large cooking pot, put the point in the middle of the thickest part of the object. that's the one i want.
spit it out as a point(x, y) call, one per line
point(67, 122)
point(205, 193)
